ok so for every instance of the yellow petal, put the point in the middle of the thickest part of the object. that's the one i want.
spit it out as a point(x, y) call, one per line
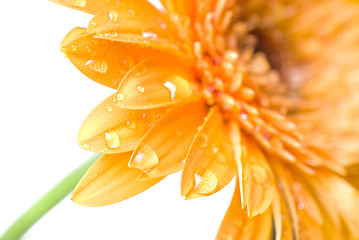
point(165, 146)
point(138, 24)
point(278, 217)
point(158, 82)
point(237, 225)
point(103, 61)
point(209, 165)
point(109, 180)
point(288, 208)
point(110, 129)
point(304, 200)
point(309, 214)
point(341, 196)
point(92, 6)
point(258, 181)
point(184, 9)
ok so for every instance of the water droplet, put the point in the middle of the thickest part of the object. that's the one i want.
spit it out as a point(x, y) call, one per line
point(85, 146)
point(75, 3)
point(172, 88)
point(120, 97)
point(145, 158)
point(109, 109)
point(93, 24)
point(140, 71)
point(73, 48)
point(205, 184)
point(202, 140)
point(111, 139)
point(260, 175)
point(245, 176)
point(99, 66)
point(300, 205)
point(227, 237)
point(101, 151)
point(150, 35)
point(112, 16)
point(197, 180)
point(131, 124)
point(140, 89)
point(113, 34)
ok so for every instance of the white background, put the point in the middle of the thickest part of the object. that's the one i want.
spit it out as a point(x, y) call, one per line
point(44, 100)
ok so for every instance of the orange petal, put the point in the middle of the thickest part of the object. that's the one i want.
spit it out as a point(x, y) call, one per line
point(304, 200)
point(135, 23)
point(164, 147)
point(209, 164)
point(103, 61)
point(341, 196)
point(237, 225)
point(92, 6)
point(109, 180)
point(110, 129)
point(182, 8)
point(154, 83)
point(258, 181)
point(290, 227)
point(309, 214)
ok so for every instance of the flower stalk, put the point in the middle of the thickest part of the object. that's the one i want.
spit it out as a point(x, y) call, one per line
point(47, 202)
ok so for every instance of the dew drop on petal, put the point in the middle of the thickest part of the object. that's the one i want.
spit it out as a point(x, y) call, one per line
point(120, 97)
point(140, 71)
point(197, 180)
point(245, 176)
point(206, 183)
point(131, 124)
point(112, 16)
point(140, 89)
point(150, 35)
point(85, 146)
point(73, 48)
point(99, 66)
point(260, 175)
point(145, 158)
point(109, 109)
point(93, 24)
point(202, 140)
point(172, 88)
point(111, 139)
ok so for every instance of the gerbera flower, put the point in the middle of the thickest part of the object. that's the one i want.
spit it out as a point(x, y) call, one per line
point(263, 91)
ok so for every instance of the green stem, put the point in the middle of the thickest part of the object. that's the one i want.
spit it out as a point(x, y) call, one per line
point(46, 203)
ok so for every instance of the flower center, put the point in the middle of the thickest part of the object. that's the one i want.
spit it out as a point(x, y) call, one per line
point(238, 78)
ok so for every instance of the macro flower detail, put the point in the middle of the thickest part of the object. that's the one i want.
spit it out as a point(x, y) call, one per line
point(261, 91)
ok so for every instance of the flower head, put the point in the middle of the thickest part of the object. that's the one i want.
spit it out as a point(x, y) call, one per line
point(264, 91)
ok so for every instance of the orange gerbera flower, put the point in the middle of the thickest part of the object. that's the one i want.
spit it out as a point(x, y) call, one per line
point(264, 91)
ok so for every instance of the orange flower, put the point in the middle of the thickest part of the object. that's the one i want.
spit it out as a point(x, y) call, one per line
point(264, 91)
